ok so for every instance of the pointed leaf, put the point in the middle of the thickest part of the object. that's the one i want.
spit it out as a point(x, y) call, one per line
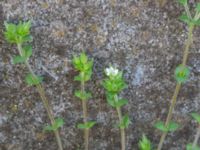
point(189, 147)
point(144, 143)
point(196, 117)
point(83, 58)
point(86, 125)
point(33, 80)
point(121, 102)
point(183, 2)
point(59, 122)
point(125, 122)
point(27, 51)
point(83, 95)
point(160, 126)
point(18, 59)
point(185, 18)
point(173, 126)
point(198, 7)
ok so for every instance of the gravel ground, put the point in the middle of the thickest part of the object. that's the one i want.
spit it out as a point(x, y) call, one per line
point(143, 40)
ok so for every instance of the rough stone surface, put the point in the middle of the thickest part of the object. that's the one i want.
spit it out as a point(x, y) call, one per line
point(141, 39)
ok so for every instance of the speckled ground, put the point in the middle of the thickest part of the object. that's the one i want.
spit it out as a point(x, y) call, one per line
point(143, 40)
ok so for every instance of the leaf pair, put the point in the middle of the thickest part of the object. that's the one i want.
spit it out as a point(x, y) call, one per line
point(188, 20)
point(33, 80)
point(86, 125)
point(124, 122)
point(83, 95)
point(113, 100)
point(26, 52)
point(172, 126)
point(57, 124)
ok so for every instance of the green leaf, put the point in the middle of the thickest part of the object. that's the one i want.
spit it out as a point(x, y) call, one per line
point(125, 122)
point(83, 95)
point(33, 80)
point(77, 78)
point(173, 126)
point(87, 75)
point(182, 74)
point(86, 125)
point(18, 59)
point(198, 7)
point(10, 33)
point(27, 51)
point(110, 99)
point(160, 126)
point(196, 117)
point(57, 124)
point(121, 102)
point(114, 84)
point(183, 2)
point(17, 33)
point(144, 143)
point(27, 38)
point(189, 147)
point(23, 28)
point(83, 58)
point(82, 63)
point(195, 22)
point(185, 18)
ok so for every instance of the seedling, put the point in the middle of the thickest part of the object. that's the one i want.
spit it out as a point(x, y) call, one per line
point(145, 143)
point(20, 35)
point(84, 66)
point(182, 71)
point(194, 146)
point(114, 84)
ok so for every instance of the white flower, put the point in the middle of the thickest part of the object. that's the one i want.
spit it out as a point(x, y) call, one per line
point(111, 71)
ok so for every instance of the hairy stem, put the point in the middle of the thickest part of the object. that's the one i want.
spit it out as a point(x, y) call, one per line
point(196, 138)
point(178, 85)
point(41, 92)
point(188, 44)
point(169, 116)
point(85, 115)
point(122, 130)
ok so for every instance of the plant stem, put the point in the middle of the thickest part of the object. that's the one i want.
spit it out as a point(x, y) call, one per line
point(178, 86)
point(169, 116)
point(122, 130)
point(85, 115)
point(187, 45)
point(41, 92)
point(196, 138)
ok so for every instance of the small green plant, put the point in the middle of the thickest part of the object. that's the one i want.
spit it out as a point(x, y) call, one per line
point(194, 146)
point(182, 71)
point(114, 84)
point(20, 35)
point(145, 143)
point(84, 66)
